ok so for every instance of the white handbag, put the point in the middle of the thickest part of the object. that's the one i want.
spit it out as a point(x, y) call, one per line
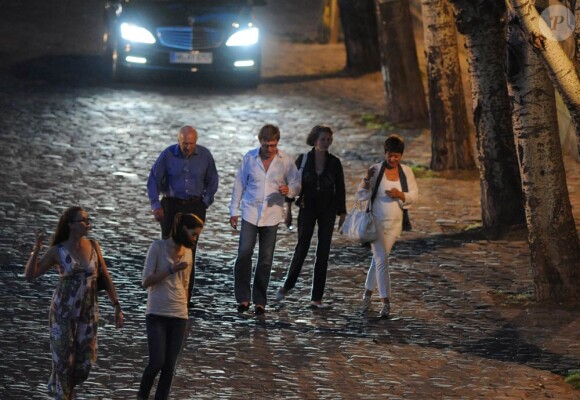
point(359, 225)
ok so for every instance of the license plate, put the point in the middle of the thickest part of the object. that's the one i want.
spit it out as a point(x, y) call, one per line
point(190, 57)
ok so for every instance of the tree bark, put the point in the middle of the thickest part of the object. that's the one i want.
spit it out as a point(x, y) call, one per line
point(577, 35)
point(359, 27)
point(561, 70)
point(554, 244)
point(403, 85)
point(451, 141)
point(483, 24)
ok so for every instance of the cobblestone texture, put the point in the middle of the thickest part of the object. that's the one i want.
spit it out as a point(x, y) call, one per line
point(458, 330)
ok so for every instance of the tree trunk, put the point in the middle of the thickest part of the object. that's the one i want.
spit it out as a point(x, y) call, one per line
point(577, 35)
point(403, 85)
point(451, 143)
point(554, 244)
point(561, 70)
point(359, 27)
point(483, 24)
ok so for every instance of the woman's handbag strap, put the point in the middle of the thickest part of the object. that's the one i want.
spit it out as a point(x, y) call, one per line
point(377, 184)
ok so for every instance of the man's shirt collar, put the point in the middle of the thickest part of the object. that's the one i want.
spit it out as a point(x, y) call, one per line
point(178, 153)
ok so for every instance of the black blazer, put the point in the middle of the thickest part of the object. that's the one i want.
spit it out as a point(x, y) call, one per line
point(326, 191)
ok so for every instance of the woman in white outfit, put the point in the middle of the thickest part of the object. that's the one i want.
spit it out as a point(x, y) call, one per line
point(390, 188)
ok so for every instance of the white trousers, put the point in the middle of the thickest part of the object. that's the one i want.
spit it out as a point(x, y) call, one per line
point(378, 276)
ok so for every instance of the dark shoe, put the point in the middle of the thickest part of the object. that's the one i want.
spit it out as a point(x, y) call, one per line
point(242, 307)
point(259, 310)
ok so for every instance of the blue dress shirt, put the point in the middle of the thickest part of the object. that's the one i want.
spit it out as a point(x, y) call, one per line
point(174, 175)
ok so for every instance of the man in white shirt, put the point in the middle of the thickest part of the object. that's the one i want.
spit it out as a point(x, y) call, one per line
point(265, 177)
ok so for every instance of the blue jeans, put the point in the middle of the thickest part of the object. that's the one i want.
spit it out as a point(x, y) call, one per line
point(243, 265)
point(165, 337)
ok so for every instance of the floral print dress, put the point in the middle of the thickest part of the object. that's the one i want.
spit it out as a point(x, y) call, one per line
point(73, 321)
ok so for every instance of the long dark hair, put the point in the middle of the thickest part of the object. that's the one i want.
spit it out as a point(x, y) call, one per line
point(189, 221)
point(62, 231)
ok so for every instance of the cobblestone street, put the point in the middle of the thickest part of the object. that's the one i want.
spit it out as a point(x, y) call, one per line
point(464, 325)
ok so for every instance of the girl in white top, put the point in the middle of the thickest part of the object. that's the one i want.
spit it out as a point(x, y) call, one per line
point(387, 209)
point(166, 277)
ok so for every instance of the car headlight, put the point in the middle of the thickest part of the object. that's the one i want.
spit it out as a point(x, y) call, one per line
point(245, 37)
point(134, 33)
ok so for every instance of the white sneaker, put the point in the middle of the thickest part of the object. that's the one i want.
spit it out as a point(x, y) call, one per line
point(320, 305)
point(386, 310)
point(280, 294)
point(367, 304)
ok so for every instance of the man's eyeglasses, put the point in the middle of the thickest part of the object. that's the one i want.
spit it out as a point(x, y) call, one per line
point(86, 220)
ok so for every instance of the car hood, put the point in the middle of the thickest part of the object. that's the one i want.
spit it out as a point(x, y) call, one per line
point(184, 13)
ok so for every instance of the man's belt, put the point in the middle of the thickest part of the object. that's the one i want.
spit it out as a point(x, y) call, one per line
point(191, 200)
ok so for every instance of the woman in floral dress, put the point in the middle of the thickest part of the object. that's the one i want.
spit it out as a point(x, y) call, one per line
point(74, 309)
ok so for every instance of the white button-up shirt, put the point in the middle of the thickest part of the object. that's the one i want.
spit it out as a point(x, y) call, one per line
point(258, 190)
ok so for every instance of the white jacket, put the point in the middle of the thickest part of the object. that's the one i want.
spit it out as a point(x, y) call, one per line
point(364, 194)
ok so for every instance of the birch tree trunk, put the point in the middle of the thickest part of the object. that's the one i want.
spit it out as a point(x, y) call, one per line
point(573, 141)
point(577, 35)
point(451, 142)
point(483, 24)
point(561, 70)
point(554, 244)
point(403, 85)
point(359, 26)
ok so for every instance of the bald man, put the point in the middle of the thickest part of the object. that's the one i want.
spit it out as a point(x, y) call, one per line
point(185, 175)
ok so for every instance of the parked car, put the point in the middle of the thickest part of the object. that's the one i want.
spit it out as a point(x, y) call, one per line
point(193, 36)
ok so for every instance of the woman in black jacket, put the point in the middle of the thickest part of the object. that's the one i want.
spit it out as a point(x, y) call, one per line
point(321, 200)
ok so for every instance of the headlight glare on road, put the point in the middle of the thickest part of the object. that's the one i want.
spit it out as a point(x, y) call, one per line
point(246, 37)
point(134, 33)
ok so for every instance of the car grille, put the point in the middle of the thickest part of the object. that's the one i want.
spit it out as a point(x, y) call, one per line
point(189, 38)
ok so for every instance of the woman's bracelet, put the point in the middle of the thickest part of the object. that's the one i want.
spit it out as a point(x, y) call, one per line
point(170, 270)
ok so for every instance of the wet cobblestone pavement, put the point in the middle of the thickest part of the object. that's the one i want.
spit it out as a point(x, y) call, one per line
point(463, 323)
